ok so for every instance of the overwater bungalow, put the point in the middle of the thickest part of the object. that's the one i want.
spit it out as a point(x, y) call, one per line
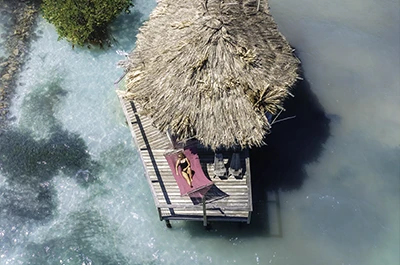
point(201, 87)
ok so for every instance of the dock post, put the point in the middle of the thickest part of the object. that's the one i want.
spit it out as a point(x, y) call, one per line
point(249, 218)
point(168, 223)
point(204, 211)
point(159, 213)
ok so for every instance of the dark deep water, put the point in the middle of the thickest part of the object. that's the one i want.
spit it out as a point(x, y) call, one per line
point(326, 187)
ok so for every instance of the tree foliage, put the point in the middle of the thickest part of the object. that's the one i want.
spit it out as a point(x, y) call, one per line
point(84, 21)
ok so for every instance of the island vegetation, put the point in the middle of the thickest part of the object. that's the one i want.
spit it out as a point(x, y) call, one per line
point(84, 22)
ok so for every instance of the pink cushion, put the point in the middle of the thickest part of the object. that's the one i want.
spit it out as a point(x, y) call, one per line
point(201, 184)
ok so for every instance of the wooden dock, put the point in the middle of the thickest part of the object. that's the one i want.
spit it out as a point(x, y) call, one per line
point(229, 199)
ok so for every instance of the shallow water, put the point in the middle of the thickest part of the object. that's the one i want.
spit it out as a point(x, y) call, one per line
point(4, 23)
point(72, 187)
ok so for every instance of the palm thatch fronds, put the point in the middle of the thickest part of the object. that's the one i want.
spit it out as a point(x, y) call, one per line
point(211, 69)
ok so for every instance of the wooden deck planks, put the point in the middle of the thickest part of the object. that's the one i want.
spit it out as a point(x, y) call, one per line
point(235, 205)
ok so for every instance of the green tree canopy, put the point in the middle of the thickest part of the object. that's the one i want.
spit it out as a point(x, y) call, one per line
point(84, 21)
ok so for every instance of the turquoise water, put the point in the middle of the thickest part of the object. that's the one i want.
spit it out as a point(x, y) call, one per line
point(73, 191)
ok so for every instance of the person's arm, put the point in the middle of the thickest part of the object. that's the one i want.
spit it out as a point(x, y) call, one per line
point(188, 161)
point(176, 166)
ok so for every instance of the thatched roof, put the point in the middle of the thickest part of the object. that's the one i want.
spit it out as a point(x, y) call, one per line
point(211, 69)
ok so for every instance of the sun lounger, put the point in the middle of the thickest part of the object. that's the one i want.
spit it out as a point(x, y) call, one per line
point(235, 167)
point(201, 184)
point(219, 166)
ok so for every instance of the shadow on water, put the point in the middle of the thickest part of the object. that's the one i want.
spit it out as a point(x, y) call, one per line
point(31, 155)
point(292, 144)
point(29, 165)
point(279, 165)
point(26, 161)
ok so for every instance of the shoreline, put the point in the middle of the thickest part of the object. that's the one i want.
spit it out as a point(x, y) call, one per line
point(22, 17)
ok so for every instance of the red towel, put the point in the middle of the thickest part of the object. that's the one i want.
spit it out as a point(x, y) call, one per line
point(201, 184)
